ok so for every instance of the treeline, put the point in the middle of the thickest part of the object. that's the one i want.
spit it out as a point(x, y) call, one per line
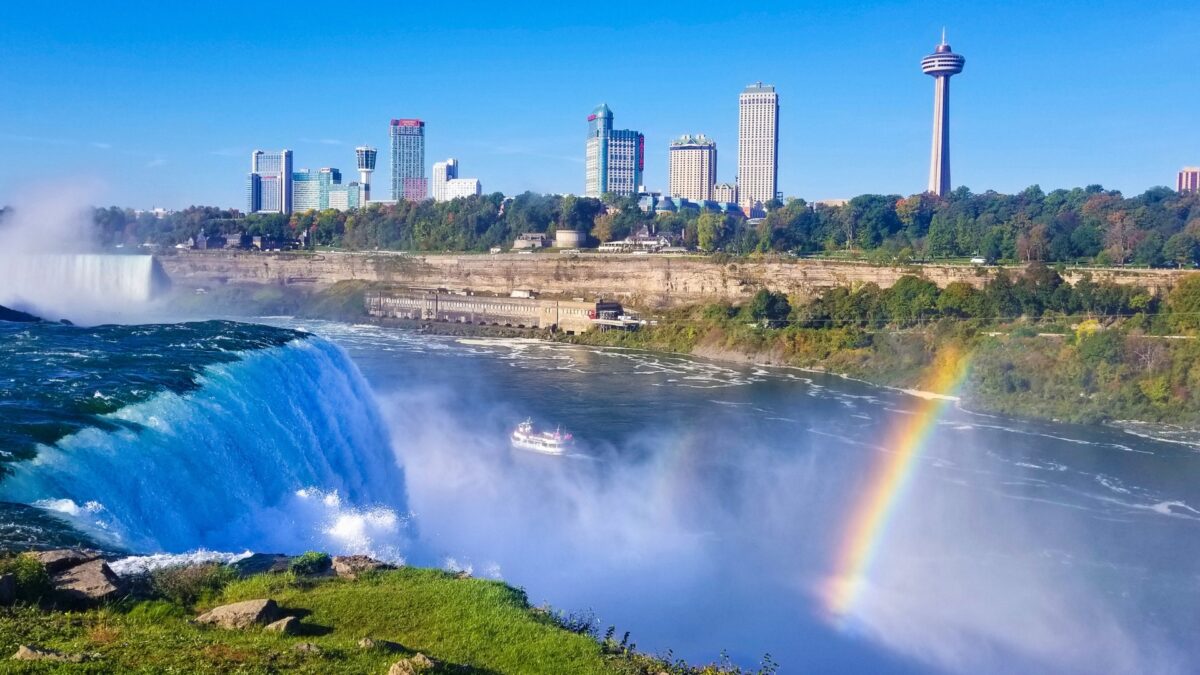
point(1039, 292)
point(1159, 228)
point(1107, 360)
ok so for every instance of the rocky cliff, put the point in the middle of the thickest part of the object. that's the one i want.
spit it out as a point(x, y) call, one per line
point(645, 280)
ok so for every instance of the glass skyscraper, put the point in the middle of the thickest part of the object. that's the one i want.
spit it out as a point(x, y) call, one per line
point(269, 184)
point(310, 191)
point(614, 159)
point(408, 160)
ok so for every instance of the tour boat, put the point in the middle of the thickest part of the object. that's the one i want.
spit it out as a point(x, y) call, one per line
point(526, 437)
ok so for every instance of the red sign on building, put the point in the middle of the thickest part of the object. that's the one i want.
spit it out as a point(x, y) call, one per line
point(408, 123)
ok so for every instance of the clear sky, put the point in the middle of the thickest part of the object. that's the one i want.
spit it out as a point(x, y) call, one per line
point(162, 102)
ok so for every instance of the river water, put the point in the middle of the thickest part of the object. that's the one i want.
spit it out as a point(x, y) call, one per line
point(704, 504)
point(702, 509)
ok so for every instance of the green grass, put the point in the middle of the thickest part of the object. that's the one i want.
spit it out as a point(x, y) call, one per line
point(473, 625)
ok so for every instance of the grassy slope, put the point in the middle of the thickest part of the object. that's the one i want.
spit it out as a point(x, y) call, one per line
point(484, 625)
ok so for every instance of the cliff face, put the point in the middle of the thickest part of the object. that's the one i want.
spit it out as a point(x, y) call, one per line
point(648, 281)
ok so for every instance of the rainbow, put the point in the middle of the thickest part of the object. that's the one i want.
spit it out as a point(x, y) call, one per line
point(867, 526)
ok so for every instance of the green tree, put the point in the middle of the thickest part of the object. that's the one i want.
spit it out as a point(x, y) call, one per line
point(1184, 303)
point(911, 299)
point(768, 306)
point(710, 231)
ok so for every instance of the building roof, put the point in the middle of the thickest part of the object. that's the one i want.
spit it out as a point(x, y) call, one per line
point(759, 88)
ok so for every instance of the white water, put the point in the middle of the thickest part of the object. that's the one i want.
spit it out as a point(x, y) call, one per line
point(282, 451)
point(79, 286)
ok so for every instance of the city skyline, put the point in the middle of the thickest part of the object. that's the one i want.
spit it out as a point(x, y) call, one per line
point(855, 120)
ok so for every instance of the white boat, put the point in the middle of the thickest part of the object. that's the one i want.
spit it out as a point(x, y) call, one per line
point(554, 442)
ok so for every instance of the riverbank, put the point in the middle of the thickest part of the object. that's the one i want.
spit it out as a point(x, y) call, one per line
point(349, 615)
point(1085, 377)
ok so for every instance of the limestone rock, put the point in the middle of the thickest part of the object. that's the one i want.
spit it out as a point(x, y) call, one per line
point(61, 559)
point(288, 625)
point(308, 648)
point(351, 566)
point(32, 653)
point(382, 645)
point(261, 563)
point(242, 614)
point(90, 582)
point(412, 665)
point(8, 589)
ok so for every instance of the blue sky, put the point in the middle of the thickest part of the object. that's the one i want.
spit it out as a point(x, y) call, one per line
point(161, 103)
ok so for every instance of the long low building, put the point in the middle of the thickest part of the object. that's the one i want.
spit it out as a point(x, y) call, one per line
point(569, 316)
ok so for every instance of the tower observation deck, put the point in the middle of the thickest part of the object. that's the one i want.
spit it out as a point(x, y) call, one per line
point(941, 65)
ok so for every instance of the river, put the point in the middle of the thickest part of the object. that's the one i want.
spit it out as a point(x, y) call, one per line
point(706, 508)
point(704, 504)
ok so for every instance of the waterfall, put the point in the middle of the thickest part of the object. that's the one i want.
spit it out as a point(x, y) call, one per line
point(79, 286)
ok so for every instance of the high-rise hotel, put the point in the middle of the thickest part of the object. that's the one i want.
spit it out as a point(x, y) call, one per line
point(615, 158)
point(693, 168)
point(758, 145)
point(408, 160)
point(1188, 180)
point(269, 184)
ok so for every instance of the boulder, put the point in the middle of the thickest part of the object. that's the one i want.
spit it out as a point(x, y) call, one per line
point(382, 645)
point(308, 648)
point(61, 559)
point(8, 589)
point(32, 653)
point(351, 566)
point(412, 665)
point(288, 625)
point(90, 582)
point(242, 615)
point(261, 563)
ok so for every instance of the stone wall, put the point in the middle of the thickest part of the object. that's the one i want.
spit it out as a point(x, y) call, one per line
point(639, 280)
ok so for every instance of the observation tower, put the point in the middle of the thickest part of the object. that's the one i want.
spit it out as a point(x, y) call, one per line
point(941, 65)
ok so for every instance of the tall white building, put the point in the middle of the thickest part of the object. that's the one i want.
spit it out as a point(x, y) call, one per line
point(447, 185)
point(758, 145)
point(462, 187)
point(693, 167)
point(443, 172)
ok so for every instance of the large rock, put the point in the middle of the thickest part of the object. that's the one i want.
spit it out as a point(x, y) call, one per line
point(288, 625)
point(412, 665)
point(92, 581)
point(8, 589)
point(32, 653)
point(261, 563)
point(61, 559)
point(351, 566)
point(242, 614)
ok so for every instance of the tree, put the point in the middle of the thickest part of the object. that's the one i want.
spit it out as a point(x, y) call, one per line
point(910, 299)
point(1182, 249)
point(1184, 303)
point(710, 231)
point(768, 306)
point(962, 300)
point(602, 227)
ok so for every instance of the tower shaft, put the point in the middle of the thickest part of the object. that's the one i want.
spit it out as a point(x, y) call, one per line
point(939, 157)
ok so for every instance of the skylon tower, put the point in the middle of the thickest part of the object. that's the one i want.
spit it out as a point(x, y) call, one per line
point(941, 65)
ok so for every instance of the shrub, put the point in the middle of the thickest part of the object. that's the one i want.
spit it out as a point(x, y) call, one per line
point(311, 563)
point(33, 584)
point(186, 584)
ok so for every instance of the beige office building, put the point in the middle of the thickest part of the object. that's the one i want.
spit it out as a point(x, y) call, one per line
point(758, 145)
point(693, 167)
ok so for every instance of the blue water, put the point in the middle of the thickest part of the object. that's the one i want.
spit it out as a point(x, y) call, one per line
point(211, 435)
point(700, 510)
